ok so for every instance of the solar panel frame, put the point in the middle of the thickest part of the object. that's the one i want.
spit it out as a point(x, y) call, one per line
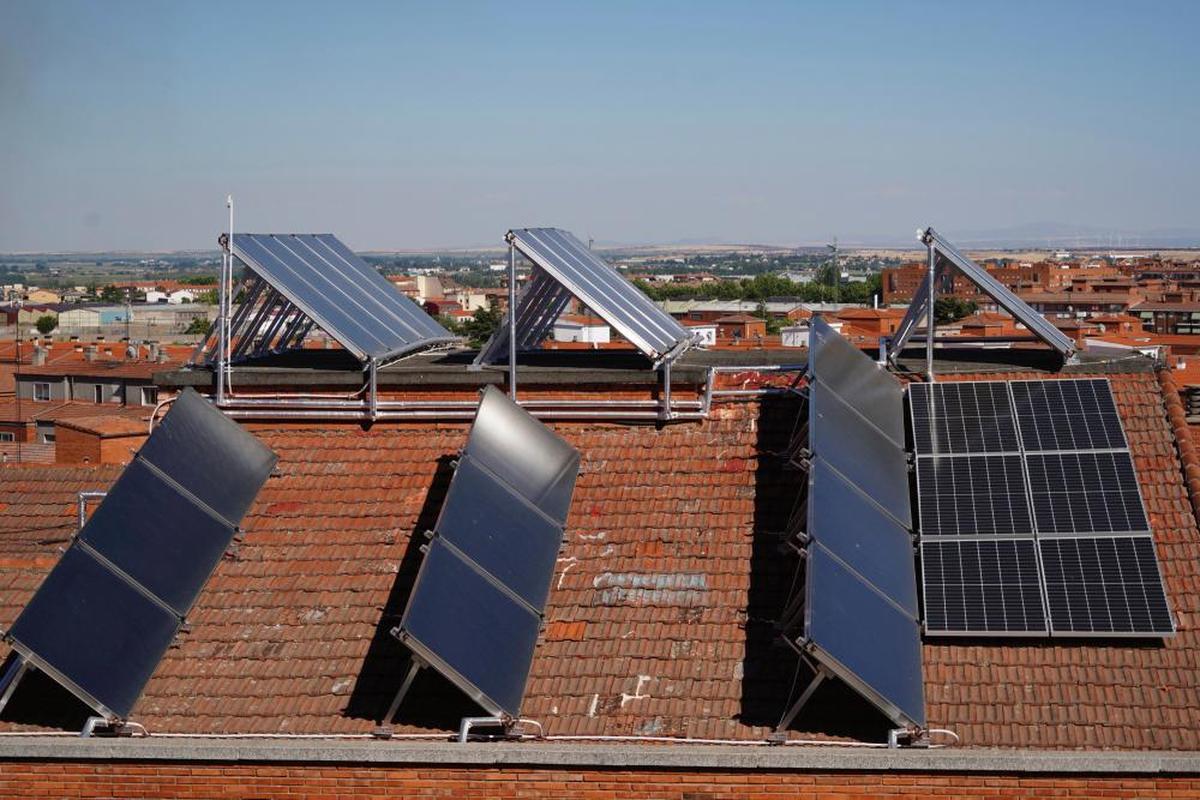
point(862, 535)
point(94, 632)
point(1076, 414)
point(471, 629)
point(861, 453)
point(856, 380)
point(963, 580)
point(962, 417)
point(1103, 484)
point(955, 482)
point(602, 289)
point(341, 293)
point(863, 638)
point(1083, 573)
point(501, 532)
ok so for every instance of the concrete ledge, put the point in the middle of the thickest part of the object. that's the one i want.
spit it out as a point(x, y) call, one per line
point(595, 756)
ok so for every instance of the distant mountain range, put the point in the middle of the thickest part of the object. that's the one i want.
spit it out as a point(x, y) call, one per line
point(1048, 235)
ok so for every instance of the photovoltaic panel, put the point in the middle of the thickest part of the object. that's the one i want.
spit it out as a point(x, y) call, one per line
point(857, 531)
point(344, 295)
point(602, 289)
point(1085, 493)
point(209, 455)
point(531, 458)
point(860, 452)
point(501, 532)
point(982, 586)
point(155, 535)
point(1104, 585)
point(471, 630)
point(865, 640)
point(94, 632)
point(980, 495)
point(856, 380)
point(108, 610)
point(1068, 415)
point(962, 417)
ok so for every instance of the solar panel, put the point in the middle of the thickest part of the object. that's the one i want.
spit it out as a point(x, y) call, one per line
point(345, 296)
point(476, 608)
point(966, 417)
point(864, 639)
point(1068, 415)
point(501, 532)
point(856, 380)
point(108, 610)
point(860, 452)
point(154, 534)
point(980, 495)
point(599, 287)
point(471, 630)
point(1104, 585)
point(978, 586)
point(94, 632)
point(857, 531)
point(531, 458)
point(1085, 493)
point(208, 455)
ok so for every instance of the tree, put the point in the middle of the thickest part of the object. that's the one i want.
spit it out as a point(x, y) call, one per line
point(208, 298)
point(198, 325)
point(46, 323)
point(952, 309)
point(112, 294)
point(481, 326)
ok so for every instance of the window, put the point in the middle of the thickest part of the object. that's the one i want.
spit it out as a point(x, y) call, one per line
point(7, 436)
point(98, 393)
point(149, 395)
point(47, 438)
point(41, 391)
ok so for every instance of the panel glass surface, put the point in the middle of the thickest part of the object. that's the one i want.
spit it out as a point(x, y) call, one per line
point(209, 455)
point(530, 457)
point(982, 586)
point(1085, 493)
point(1068, 415)
point(972, 496)
point(865, 640)
point(340, 292)
point(863, 455)
point(854, 529)
point(967, 417)
point(602, 289)
point(857, 380)
point(1109, 584)
point(501, 532)
point(157, 536)
point(102, 635)
point(475, 634)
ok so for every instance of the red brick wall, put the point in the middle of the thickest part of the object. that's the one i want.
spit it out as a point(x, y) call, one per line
point(120, 449)
point(327, 782)
point(75, 447)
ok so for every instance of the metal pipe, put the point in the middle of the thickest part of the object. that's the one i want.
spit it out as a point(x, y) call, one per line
point(512, 320)
point(464, 729)
point(931, 311)
point(83, 498)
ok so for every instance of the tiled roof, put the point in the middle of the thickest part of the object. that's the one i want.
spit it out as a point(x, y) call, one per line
point(107, 426)
point(12, 410)
point(660, 616)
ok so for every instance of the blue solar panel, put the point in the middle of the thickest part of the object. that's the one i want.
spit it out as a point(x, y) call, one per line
point(344, 295)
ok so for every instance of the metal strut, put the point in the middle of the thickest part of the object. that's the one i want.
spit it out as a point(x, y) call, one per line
point(384, 729)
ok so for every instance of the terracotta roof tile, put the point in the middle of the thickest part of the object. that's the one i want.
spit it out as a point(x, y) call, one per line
point(660, 615)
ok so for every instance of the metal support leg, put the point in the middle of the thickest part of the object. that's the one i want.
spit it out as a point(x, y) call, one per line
point(794, 711)
point(385, 727)
point(666, 392)
point(931, 312)
point(374, 380)
point(512, 321)
point(12, 676)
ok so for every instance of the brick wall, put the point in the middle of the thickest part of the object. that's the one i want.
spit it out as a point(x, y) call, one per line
point(297, 782)
point(75, 447)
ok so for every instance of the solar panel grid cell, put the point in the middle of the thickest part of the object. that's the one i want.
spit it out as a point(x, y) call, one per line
point(1104, 585)
point(962, 418)
point(980, 495)
point(1085, 493)
point(1067, 415)
point(982, 586)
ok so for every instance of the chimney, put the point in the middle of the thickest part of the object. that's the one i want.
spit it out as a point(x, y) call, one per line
point(163, 357)
point(39, 355)
point(131, 351)
point(89, 353)
point(153, 354)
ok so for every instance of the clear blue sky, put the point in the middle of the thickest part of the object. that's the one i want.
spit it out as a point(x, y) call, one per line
point(403, 125)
